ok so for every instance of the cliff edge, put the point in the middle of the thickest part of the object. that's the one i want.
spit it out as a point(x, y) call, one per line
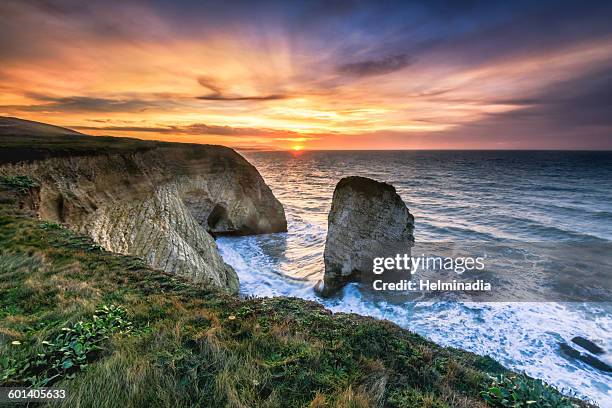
point(157, 201)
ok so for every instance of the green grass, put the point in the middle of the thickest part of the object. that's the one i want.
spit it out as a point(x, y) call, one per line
point(68, 353)
point(521, 391)
point(21, 184)
point(192, 346)
point(24, 141)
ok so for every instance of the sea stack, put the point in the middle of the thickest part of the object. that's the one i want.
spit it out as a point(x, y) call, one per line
point(367, 219)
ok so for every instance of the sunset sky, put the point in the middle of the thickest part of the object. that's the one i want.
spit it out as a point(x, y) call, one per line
point(315, 75)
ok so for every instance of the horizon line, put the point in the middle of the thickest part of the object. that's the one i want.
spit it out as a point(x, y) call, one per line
point(297, 152)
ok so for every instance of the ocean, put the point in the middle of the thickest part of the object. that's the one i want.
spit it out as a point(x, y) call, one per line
point(460, 196)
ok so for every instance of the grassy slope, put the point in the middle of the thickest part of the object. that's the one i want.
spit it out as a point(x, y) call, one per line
point(194, 345)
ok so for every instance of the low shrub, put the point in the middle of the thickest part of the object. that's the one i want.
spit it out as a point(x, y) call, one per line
point(519, 391)
point(69, 352)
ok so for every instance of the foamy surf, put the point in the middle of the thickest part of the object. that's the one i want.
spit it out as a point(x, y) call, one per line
point(486, 205)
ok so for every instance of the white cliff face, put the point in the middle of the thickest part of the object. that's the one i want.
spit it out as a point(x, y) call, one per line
point(367, 219)
point(162, 232)
point(160, 204)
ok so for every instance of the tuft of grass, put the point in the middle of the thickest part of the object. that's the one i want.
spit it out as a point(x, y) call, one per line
point(21, 184)
point(411, 398)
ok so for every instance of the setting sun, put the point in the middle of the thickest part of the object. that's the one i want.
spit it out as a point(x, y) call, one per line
point(297, 148)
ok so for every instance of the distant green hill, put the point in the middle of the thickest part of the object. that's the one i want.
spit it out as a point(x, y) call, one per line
point(25, 140)
point(10, 126)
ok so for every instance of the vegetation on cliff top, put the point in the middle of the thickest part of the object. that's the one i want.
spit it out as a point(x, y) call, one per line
point(22, 140)
point(115, 333)
point(26, 141)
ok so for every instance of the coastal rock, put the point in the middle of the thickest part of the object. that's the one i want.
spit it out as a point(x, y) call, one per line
point(367, 218)
point(570, 352)
point(587, 345)
point(161, 204)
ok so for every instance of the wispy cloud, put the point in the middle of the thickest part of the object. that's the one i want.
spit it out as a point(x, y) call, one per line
point(84, 104)
point(196, 129)
point(219, 97)
point(380, 66)
point(218, 94)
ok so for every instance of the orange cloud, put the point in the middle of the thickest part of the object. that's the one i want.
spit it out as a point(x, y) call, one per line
point(133, 71)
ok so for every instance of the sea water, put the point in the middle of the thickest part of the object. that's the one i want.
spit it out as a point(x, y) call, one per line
point(454, 196)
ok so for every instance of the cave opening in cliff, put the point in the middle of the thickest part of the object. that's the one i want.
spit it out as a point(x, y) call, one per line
point(217, 217)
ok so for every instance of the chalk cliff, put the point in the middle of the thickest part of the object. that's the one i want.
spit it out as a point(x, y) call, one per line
point(161, 203)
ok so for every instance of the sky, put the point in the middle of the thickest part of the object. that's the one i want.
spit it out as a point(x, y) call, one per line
point(271, 75)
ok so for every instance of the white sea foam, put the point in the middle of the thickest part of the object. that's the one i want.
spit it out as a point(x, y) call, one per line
point(467, 197)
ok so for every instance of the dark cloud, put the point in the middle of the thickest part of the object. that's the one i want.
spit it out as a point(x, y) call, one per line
point(198, 129)
point(566, 115)
point(507, 30)
point(517, 101)
point(460, 35)
point(36, 29)
point(585, 100)
point(60, 7)
point(218, 94)
point(209, 83)
point(126, 128)
point(84, 104)
point(380, 66)
point(220, 97)
point(470, 31)
point(204, 129)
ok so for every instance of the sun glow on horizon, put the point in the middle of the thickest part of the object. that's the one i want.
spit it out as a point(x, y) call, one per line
point(206, 75)
point(296, 150)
